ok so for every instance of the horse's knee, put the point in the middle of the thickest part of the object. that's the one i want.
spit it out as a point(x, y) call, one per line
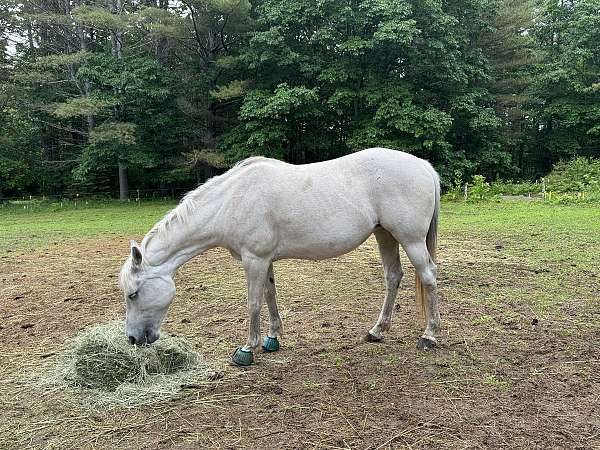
point(394, 277)
point(399, 273)
point(430, 284)
point(429, 277)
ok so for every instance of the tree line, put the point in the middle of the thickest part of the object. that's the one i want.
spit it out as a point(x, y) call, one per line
point(99, 95)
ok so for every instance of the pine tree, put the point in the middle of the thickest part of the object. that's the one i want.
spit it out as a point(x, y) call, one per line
point(512, 53)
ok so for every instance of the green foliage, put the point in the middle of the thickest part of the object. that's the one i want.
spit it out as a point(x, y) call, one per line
point(510, 49)
point(286, 103)
point(157, 23)
point(196, 158)
point(516, 188)
point(99, 17)
point(108, 144)
point(578, 175)
point(113, 133)
point(136, 93)
point(59, 60)
point(370, 81)
point(479, 189)
point(268, 115)
point(497, 88)
point(234, 89)
point(575, 181)
point(19, 152)
point(13, 174)
point(81, 107)
point(568, 108)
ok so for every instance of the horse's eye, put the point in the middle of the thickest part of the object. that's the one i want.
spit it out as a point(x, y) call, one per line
point(132, 296)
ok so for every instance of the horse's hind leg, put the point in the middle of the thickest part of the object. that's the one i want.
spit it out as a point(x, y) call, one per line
point(276, 328)
point(427, 272)
point(392, 269)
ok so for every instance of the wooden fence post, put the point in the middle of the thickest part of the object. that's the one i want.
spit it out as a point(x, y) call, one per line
point(543, 188)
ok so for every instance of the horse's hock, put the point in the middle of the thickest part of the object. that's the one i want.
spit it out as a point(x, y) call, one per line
point(100, 362)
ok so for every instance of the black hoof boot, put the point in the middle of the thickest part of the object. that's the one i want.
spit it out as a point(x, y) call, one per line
point(426, 344)
point(368, 337)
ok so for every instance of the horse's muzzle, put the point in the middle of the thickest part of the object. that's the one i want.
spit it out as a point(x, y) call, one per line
point(148, 338)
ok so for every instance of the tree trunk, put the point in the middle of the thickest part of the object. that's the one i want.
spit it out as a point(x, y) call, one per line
point(209, 137)
point(162, 43)
point(30, 36)
point(123, 183)
point(117, 50)
point(208, 172)
point(86, 83)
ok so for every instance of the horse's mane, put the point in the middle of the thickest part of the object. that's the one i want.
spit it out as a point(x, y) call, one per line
point(185, 209)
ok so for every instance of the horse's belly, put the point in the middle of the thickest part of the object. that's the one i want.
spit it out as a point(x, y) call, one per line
point(318, 242)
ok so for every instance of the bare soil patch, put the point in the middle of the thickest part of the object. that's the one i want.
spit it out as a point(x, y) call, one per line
point(511, 371)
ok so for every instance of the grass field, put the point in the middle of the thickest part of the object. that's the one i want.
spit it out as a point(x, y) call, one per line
point(517, 367)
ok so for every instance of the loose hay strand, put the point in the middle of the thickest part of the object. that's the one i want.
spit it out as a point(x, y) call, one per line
point(101, 361)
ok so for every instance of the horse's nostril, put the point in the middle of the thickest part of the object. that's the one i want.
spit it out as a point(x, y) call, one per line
point(131, 340)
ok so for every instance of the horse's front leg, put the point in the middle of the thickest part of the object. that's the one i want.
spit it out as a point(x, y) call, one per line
point(271, 343)
point(257, 270)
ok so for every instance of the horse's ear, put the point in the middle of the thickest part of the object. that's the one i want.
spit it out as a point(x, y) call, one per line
point(136, 253)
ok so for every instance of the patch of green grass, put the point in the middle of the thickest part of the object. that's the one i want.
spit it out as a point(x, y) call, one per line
point(311, 384)
point(372, 385)
point(584, 373)
point(496, 382)
point(338, 361)
point(49, 225)
point(533, 232)
point(482, 319)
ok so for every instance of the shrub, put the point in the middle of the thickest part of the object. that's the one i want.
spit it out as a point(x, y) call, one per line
point(479, 189)
point(575, 181)
point(578, 175)
point(512, 188)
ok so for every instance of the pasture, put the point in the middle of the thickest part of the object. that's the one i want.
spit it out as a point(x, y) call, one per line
point(517, 365)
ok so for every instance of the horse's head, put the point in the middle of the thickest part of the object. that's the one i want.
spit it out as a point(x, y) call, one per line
point(148, 294)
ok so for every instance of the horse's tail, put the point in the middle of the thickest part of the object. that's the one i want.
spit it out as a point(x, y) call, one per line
point(431, 242)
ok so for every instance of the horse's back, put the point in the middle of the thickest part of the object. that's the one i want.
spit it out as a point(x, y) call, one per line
point(382, 178)
point(367, 167)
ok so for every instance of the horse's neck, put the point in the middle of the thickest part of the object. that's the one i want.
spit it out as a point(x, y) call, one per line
point(184, 235)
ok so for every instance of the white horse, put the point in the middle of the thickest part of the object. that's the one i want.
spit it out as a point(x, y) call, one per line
point(263, 210)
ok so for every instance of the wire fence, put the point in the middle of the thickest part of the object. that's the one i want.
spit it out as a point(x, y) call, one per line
point(134, 194)
point(89, 199)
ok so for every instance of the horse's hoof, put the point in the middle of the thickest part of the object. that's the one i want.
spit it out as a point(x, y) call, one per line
point(270, 344)
point(242, 357)
point(368, 337)
point(426, 343)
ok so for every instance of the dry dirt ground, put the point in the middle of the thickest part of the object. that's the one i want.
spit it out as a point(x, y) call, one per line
point(510, 371)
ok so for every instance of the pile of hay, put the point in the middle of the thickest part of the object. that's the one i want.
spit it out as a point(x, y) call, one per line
point(102, 362)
